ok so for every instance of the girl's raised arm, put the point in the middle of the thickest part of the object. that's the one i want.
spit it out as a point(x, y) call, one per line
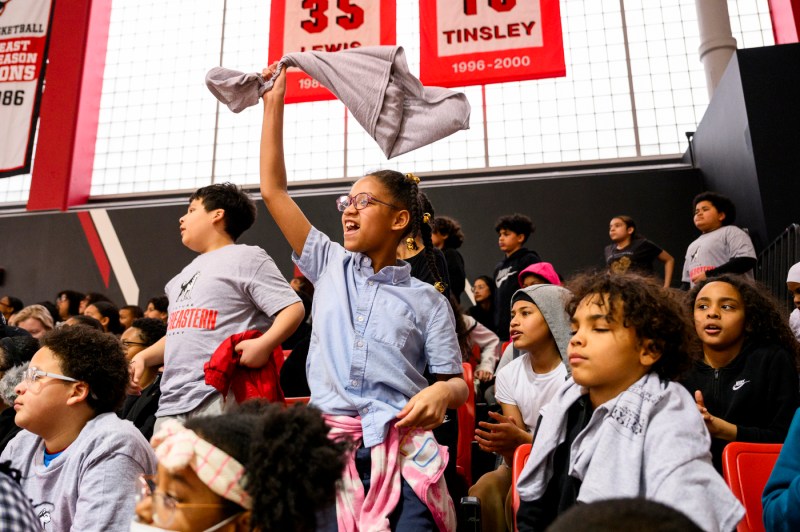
point(287, 214)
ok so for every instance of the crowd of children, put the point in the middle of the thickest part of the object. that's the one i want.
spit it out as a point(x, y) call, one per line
point(624, 387)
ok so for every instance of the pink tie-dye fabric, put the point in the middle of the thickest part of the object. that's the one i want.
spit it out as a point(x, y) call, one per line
point(412, 454)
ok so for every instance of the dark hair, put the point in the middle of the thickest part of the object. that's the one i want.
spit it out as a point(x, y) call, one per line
point(489, 282)
point(93, 297)
point(87, 321)
point(450, 229)
point(630, 223)
point(517, 223)
point(723, 204)
point(160, 303)
point(306, 286)
point(95, 358)
point(15, 303)
point(764, 320)
point(654, 313)
point(611, 515)
point(292, 465)
point(110, 311)
point(136, 310)
point(16, 350)
point(74, 299)
point(152, 329)
point(240, 211)
point(405, 193)
point(462, 331)
point(52, 309)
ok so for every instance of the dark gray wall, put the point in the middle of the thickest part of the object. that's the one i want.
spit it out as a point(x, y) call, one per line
point(45, 253)
point(747, 145)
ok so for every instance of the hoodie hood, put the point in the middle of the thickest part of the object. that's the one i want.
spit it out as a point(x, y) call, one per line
point(544, 270)
point(551, 301)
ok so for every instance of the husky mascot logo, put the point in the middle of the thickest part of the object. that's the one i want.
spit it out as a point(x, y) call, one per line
point(3, 4)
point(186, 288)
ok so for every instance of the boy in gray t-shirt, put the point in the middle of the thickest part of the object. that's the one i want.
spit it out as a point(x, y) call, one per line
point(226, 290)
point(723, 247)
point(78, 462)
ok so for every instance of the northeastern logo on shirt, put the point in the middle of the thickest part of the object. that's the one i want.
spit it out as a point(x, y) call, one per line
point(193, 318)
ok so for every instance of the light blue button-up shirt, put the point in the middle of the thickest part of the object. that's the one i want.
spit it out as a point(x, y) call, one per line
point(373, 335)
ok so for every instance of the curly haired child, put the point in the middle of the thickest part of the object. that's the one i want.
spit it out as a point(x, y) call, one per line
point(261, 467)
point(376, 329)
point(745, 381)
point(620, 427)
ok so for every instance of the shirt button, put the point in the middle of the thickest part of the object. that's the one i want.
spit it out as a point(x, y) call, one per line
point(371, 283)
point(360, 318)
point(360, 344)
point(353, 383)
point(365, 411)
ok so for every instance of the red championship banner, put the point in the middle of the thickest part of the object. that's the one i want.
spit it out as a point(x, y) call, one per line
point(475, 42)
point(326, 26)
point(24, 28)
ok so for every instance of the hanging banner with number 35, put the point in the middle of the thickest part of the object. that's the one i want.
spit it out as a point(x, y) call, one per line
point(326, 26)
point(475, 42)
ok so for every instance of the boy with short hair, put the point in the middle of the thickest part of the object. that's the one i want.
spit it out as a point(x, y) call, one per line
point(513, 231)
point(722, 247)
point(621, 426)
point(157, 308)
point(229, 288)
point(79, 462)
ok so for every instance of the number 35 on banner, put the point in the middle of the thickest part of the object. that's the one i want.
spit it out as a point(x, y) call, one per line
point(474, 42)
point(326, 26)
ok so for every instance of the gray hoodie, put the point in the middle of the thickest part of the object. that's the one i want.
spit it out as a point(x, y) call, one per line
point(551, 301)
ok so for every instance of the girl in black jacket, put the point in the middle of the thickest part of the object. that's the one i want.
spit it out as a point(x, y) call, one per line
point(745, 382)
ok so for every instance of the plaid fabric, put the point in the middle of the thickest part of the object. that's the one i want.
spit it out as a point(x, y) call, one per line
point(16, 512)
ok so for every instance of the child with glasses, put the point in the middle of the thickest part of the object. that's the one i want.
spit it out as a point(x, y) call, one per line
point(78, 461)
point(376, 329)
point(227, 289)
point(261, 467)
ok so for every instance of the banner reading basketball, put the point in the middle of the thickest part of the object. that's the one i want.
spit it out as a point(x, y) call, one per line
point(474, 42)
point(23, 41)
point(326, 26)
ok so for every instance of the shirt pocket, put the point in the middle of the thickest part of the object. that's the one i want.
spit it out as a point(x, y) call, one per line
point(391, 328)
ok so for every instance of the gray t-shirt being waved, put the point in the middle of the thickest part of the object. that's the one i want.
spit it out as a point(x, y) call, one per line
point(223, 292)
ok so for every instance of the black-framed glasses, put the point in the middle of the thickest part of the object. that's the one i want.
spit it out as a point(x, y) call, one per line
point(359, 201)
point(128, 343)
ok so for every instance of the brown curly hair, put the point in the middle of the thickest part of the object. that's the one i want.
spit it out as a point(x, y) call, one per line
point(655, 313)
point(765, 321)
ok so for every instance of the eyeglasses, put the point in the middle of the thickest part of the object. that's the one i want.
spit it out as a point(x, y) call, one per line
point(359, 201)
point(33, 375)
point(164, 504)
point(128, 343)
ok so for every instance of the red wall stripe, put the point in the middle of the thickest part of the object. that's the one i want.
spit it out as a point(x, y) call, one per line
point(96, 246)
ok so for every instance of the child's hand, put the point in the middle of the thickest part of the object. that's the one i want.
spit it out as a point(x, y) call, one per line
point(483, 375)
point(279, 86)
point(253, 353)
point(426, 409)
point(717, 427)
point(136, 367)
point(502, 437)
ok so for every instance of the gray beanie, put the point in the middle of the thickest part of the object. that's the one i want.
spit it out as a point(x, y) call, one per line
point(552, 302)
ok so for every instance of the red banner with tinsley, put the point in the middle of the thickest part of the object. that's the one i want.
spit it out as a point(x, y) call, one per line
point(475, 42)
point(326, 26)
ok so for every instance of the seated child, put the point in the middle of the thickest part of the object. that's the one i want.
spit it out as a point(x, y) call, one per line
point(540, 328)
point(128, 313)
point(157, 308)
point(448, 237)
point(539, 273)
point(782, 493)
point(141, 409)
point(483, 289)
point(620, 427)
point(78, 461)
point(260, 467)
point(376, 329)
point(793, 284)
point(745, 383)
point(227, 289)
point(722, 247)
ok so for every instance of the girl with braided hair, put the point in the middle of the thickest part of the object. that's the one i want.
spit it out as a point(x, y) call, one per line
point(376, 329)
point(427, 261)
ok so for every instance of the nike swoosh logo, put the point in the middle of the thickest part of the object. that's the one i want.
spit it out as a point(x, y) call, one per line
point(739, 385)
